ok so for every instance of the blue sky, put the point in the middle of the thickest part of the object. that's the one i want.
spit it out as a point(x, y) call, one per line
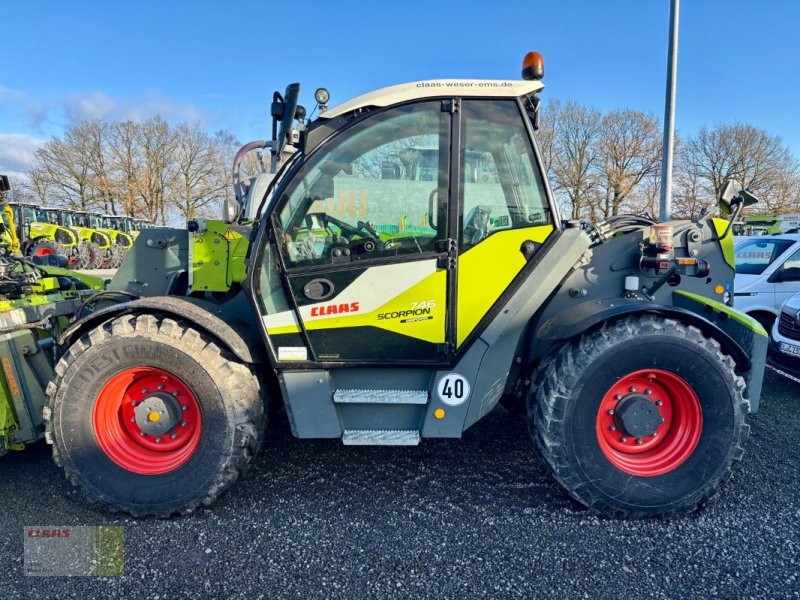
point(220, 61)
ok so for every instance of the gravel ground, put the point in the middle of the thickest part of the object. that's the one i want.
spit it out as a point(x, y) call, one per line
point(447, 519)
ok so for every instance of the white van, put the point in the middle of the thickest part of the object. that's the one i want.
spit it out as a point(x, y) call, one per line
point(767, 274)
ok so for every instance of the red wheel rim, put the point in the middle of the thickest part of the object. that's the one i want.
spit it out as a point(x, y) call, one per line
point(44, 251)
point(122, 438)
point(671, 442)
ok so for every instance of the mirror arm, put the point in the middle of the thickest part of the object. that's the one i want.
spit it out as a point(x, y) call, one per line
point(734, 214)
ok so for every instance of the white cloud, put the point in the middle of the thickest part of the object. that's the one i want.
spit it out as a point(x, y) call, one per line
point(25, 113)
point(84, 107)
point(16, 152)
point(98, 105)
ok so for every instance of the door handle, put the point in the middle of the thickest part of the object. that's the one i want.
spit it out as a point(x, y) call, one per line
point(318, 289)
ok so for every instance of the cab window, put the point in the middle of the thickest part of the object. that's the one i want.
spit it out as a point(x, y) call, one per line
point(501, 185)
point(374, 192)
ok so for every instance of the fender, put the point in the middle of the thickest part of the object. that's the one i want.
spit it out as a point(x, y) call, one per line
point(739, 335)
point(202, 314)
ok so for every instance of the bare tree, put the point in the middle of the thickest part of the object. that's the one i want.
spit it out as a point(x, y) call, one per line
point(690, 194)
point(629, 149)
point(126, 159)
point(574, 156)
point(38, 185)
point(63, 165)
point(158, 147)
point(759, 161)
point(198, 177)
point(101, 180)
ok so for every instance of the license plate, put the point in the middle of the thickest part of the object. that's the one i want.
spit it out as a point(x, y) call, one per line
point(789, 349)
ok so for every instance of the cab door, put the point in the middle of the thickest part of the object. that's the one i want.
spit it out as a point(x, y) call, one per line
point(361, 239)
point(504, 215)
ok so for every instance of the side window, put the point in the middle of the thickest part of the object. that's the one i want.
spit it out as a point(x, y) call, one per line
point(501, 184)
point(374, 192)
point(791, 268)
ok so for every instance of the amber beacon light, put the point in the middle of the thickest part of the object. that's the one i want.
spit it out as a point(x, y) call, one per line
point(533, 66)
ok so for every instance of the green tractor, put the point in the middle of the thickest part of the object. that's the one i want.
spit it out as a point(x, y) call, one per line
point(138, 225)
point(617, 340)
point(40, 234)
point(101, 251)
point(119, 228)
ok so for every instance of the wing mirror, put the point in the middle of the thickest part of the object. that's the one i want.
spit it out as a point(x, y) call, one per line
point(730, 190)
point(5, 185)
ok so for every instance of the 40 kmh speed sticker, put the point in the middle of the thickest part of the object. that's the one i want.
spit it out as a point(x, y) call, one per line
point(453, 389)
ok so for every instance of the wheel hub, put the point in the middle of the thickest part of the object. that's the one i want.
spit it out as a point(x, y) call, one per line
point(158, 414)
point(147, 420)
point(649, 422)
point(636, 415)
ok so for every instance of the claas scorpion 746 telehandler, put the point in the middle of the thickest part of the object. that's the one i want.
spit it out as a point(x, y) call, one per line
point(408, 269)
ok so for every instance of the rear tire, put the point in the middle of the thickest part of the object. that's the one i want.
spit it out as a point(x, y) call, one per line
point(697, 431)
point(100, 443)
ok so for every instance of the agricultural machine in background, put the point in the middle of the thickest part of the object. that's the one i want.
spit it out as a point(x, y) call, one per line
point(386, 309)
point(37, 303)
point(118, 228)
point(138, 225)
point(40, 235)
point(103, 254)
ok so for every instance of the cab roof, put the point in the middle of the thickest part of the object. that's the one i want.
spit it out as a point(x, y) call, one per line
point(436, 88)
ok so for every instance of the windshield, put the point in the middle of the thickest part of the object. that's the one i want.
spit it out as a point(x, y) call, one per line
point(94, 221)
point(754, 256)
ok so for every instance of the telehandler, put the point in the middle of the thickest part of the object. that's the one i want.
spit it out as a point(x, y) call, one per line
point(387, 304)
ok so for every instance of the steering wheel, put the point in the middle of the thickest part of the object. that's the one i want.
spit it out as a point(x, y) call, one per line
point(362, 229)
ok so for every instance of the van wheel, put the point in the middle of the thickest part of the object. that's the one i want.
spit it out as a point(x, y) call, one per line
point(641, 418)
point(149, 416)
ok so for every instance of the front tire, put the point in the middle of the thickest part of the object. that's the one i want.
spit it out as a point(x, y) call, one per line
point(44, 247)
point(150, 417)
point(641, 418)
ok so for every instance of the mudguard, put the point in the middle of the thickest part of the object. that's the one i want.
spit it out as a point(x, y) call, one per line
point(739, 335)
point(218, 320)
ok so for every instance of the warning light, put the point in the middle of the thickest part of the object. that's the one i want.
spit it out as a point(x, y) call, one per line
point(439, 413)
point(533, 66)
point(719, 290)
point(153, 417)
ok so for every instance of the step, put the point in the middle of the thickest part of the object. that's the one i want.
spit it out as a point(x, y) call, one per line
point(380, 437)
point(380, 396)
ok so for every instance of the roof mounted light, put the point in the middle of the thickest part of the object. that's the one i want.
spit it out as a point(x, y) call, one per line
point(533, 66)
point(322, 96)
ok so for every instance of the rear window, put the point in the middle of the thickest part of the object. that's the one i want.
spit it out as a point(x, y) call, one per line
point(754, 256)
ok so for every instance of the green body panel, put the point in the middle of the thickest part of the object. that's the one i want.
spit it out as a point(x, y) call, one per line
point(85, 235)
point(48, 231)
point(95, 283)
point(218, 257)
point(118, 237)
point(741, 318)
point(720, 225)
